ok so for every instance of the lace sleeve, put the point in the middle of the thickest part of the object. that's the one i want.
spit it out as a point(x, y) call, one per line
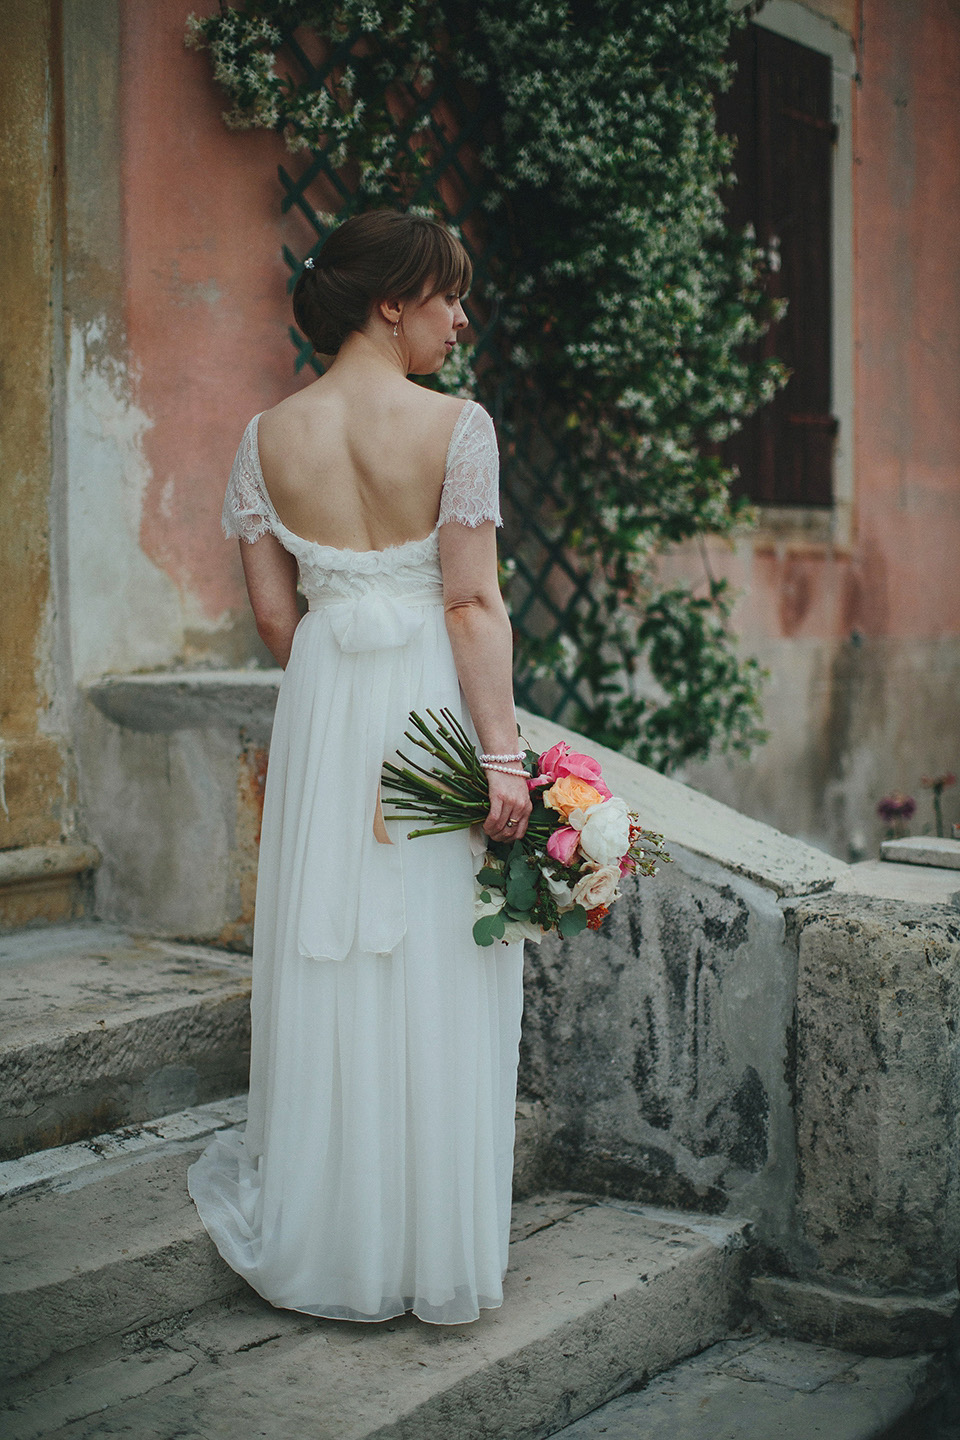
point(471, 484)
point(247, 511)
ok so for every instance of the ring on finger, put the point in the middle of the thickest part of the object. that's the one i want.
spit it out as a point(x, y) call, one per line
point(511, 822)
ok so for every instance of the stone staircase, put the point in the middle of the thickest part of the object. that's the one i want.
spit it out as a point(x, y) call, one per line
point(118, 1057)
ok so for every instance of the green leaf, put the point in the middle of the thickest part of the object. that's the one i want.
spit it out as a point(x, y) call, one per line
point(489, 928)
point(572, 922)
point(521, 881)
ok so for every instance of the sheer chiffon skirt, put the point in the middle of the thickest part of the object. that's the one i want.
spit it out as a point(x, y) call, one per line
point(374, 1172)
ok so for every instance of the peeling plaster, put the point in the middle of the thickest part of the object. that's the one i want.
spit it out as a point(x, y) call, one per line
point(3, 781)
point(125, 613)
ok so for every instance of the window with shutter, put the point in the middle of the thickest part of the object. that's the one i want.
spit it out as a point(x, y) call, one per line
point(779, 111)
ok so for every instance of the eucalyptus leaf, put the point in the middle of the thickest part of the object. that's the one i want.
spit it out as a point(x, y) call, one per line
point(572, 922)
point(489, 928)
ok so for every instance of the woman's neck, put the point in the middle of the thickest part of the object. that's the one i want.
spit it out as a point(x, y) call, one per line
point(364, 351)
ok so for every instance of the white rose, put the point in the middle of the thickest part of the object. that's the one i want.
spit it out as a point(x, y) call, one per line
point(605, 834)
point(560, 891)
point(598, 887)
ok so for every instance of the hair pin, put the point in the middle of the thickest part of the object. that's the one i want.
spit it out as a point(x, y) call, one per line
point(308, 263)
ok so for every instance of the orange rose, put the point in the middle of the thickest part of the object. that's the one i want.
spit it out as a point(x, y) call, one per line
point(571, 793)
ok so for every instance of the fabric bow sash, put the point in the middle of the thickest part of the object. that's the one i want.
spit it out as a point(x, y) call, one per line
point(350, 886)
point(373, 622)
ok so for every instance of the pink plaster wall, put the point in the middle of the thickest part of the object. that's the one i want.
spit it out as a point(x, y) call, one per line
point(206, 299)
point(908, 317)
point(900, 577)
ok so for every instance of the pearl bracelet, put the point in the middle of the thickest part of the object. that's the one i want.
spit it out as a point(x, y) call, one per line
point(521, 755)
point(504, 769)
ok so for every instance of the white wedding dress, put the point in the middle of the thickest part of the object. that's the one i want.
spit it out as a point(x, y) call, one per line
point(374, 1172)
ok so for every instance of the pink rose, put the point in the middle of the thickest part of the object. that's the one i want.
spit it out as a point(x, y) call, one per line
point(563, 843)
point(547, 765)
point(550, 759)
point(560, 761)
point(585, 768)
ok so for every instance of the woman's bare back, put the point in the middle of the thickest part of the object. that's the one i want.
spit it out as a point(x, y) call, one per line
point(355, 466)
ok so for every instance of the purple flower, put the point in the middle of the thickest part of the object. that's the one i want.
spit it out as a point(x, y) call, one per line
point(896, 807)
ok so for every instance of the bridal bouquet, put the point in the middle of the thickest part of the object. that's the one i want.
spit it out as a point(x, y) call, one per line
point(565, 873)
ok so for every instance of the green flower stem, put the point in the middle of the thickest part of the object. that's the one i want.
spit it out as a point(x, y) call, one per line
point(455, 785)
point(421, 785)
point(439, 753)
point(437, 830)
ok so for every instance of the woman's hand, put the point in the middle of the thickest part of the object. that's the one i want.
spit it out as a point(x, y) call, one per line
point(510, 806)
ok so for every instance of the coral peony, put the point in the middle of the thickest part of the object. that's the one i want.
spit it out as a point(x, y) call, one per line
point(570, 793)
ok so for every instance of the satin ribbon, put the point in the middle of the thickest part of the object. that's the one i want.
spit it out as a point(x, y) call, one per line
point(374, 621)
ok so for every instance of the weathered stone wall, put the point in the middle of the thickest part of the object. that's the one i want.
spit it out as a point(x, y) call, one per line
point(173, 773)
point(41, 871)
point(878, 1089)
point(660, 1048)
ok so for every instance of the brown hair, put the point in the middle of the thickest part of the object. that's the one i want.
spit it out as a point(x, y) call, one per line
point(380, 255)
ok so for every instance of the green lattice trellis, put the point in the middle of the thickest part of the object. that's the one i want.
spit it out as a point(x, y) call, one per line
point(440, 124)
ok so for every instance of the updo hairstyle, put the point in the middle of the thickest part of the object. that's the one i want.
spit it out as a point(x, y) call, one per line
point(380, 255)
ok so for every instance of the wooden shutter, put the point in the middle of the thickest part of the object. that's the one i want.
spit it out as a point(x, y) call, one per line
point(779, 109)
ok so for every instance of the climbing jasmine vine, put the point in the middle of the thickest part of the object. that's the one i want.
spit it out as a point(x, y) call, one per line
point(625, 305)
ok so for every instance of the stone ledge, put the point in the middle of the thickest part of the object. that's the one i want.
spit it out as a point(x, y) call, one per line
point(46, 862)
point(595, 1297)
point(189, 699)
point(689, 818)
point(913, 884)
point(114, 1029)
point(923, 850)
point(245, 700)
point(45, 884)
point(893, 1324)
point(761, 1386)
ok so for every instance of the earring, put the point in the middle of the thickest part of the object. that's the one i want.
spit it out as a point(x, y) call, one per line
point(395, 327)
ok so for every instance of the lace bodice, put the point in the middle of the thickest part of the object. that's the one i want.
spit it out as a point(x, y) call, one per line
point(469, 497)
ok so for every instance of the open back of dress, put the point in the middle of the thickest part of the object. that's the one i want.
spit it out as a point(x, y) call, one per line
point(374, 1172)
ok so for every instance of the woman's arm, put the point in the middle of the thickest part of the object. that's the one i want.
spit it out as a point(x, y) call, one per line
point(482, 643)
point(271, 575)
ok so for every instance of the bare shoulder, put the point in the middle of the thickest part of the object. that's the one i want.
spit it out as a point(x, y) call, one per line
point(433, 407)
point(295, 412)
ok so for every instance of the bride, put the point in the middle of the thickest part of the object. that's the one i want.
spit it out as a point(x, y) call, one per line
point(373, 1175)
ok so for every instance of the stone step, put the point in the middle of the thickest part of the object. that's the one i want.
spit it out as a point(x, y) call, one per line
point(115, 1300)
point(760, 1386)
point(99, 1028)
